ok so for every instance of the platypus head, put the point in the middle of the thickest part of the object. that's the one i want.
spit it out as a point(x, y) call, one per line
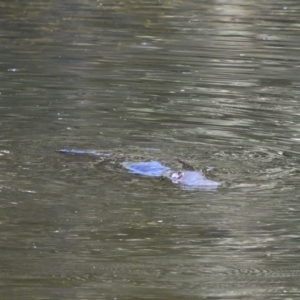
point(175, 177)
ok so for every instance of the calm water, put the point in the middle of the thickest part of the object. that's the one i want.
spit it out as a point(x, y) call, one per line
point(215, 83)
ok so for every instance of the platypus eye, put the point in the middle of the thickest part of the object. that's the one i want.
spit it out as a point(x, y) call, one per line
point(180, 174)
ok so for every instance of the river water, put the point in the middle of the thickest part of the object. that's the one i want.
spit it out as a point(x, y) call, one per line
point(215, 83)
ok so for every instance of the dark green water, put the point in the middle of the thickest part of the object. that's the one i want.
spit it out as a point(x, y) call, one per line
point(213, 82)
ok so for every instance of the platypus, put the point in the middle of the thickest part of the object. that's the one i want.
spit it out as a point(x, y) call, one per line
point(184, 178)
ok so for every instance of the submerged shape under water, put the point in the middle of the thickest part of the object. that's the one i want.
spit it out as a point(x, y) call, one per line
point(150, 168)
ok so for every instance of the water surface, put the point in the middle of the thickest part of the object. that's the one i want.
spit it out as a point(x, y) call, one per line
point(215, 83)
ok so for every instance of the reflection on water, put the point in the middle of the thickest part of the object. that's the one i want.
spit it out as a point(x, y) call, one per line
point(214, 84)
